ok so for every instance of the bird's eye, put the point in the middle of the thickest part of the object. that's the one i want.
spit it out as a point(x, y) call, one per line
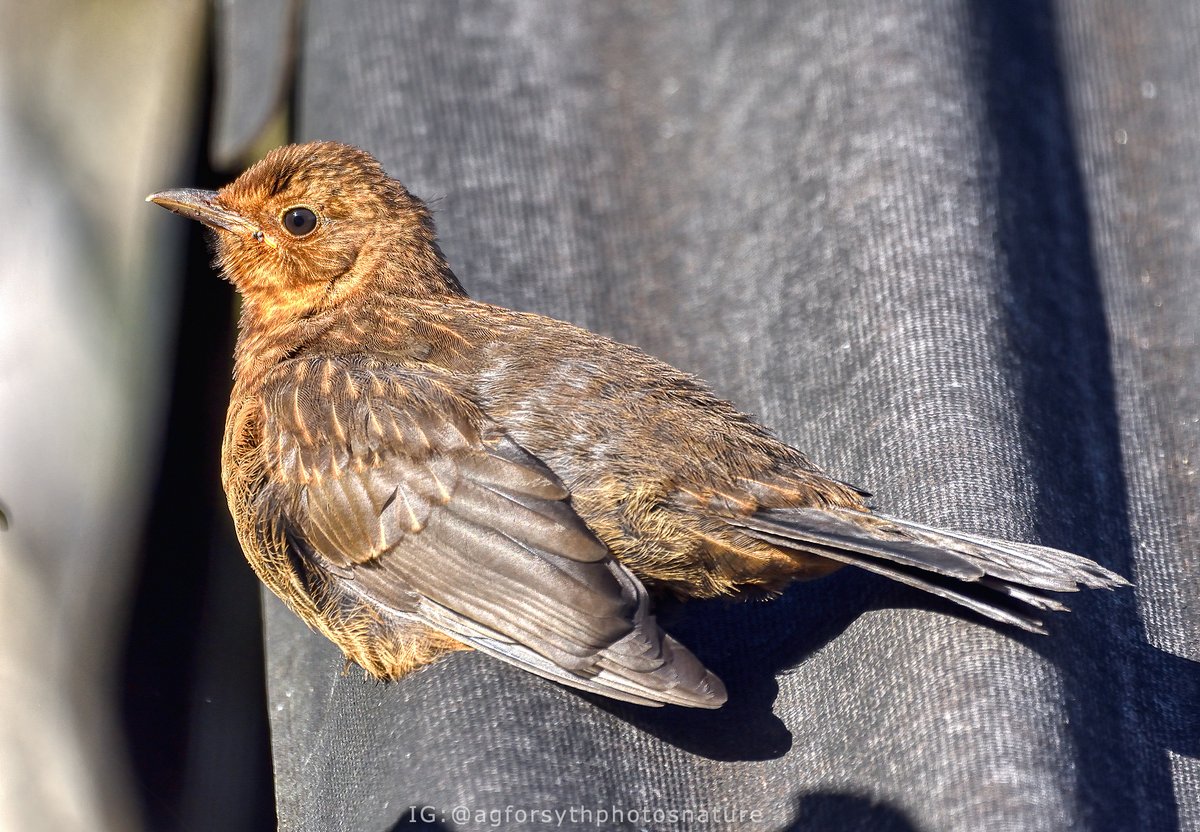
point(299, 221)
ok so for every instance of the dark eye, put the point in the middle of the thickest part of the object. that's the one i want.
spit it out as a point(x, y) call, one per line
point(299, 222)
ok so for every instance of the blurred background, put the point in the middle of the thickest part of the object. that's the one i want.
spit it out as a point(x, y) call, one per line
point(131, 645)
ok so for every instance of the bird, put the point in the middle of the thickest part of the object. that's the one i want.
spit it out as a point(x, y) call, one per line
point(414, 472)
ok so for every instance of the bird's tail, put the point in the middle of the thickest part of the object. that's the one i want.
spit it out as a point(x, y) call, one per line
point(952, 565)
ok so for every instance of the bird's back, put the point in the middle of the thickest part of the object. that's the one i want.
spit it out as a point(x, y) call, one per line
point(652, 457)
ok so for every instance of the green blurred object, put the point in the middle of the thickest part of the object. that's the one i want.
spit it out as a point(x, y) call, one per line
point(97, 103)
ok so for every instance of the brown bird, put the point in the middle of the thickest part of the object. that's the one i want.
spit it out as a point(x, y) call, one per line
point(414, 472)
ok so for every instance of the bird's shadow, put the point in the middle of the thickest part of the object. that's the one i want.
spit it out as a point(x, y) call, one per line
point(748, 645)
point(847, 812)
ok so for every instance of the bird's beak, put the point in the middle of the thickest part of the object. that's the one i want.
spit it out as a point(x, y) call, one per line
point(196, 204)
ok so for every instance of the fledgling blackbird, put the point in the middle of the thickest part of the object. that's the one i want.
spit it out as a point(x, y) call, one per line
point(415, 472)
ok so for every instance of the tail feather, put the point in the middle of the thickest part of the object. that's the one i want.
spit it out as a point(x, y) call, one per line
point(1063, 571)
point(977, 572)
point(1022, 594)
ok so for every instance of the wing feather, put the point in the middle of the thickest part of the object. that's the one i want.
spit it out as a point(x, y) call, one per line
point(419, 506)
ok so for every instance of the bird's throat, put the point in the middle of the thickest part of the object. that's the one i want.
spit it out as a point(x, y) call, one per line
point(269, 333)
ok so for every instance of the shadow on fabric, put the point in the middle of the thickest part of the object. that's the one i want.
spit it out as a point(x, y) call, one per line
point(772, 638)
point(847, 813)
point(1056, 320)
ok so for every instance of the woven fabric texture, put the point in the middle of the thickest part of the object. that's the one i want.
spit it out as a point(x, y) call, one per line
point(947, 248)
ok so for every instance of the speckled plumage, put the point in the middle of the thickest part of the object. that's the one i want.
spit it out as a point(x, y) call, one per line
point(415, 472)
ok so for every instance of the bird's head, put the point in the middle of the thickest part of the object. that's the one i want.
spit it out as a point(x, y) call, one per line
point(310, 222)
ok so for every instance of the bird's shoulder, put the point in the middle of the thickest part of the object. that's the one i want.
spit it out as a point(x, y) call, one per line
point(348, 441)
point(366, 401)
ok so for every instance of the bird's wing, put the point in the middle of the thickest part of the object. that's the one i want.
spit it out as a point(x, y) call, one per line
point(418, 504)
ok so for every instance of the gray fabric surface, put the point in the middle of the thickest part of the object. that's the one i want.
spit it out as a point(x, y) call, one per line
point(947, 248)
point(254, 42)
